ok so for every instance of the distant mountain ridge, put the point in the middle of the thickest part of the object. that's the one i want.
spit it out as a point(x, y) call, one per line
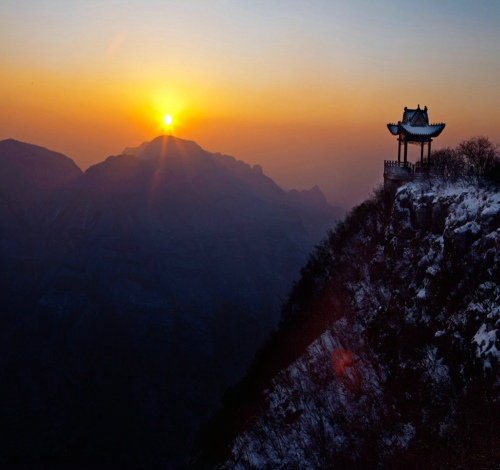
point(30, 172)
point(149, 277)
point(171, 146)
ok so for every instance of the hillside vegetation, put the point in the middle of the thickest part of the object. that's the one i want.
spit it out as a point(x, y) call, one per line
point(388, 349)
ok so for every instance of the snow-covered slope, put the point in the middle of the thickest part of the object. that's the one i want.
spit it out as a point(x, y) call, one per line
point(391, 336)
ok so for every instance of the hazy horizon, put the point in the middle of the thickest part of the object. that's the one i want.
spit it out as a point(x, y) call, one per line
point(304, 89)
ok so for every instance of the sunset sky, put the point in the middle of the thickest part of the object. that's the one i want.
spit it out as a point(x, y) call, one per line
point(304, 88)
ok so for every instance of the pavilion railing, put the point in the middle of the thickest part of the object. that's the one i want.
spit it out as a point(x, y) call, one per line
point(393, 167)
point(398, 168)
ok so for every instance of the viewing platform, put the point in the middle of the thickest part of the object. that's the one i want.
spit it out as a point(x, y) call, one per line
point(396, 173)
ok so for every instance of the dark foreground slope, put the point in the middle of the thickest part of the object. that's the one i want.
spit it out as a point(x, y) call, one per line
point(133, 294)
point(388, 349)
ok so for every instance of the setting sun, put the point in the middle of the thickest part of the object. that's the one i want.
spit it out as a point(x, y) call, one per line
point(167, 119)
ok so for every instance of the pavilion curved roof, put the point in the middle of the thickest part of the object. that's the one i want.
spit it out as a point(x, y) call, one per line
point(393, 128)
point(415, 125)
point(432, 130)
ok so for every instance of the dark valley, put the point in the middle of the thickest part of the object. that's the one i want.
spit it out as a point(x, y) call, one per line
point(133, 294)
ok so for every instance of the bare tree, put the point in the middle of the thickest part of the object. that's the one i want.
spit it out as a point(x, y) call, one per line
point(480, 154)
point(448, 163)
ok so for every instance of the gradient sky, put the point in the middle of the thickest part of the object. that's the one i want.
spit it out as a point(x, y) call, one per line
point(304, 88)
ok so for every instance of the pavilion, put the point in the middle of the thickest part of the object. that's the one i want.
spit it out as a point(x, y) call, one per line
point(415, 129)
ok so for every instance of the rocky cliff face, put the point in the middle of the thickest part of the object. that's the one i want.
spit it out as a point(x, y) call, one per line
point(133, 294)
point(388, 348)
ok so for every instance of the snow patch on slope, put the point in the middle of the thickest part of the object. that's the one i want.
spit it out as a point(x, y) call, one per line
point(410, 279)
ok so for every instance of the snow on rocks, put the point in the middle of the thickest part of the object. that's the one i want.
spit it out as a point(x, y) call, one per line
point(419, 290)
point(487, 340)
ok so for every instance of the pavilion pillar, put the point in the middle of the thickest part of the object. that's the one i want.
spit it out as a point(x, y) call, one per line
point(399, 150)
point(429, 153)
point(406, 153)
point(422, 154)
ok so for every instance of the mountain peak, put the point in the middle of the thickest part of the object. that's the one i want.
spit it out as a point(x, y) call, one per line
point(11, 148)
point(311, 195)
point(30, 166)
point(165, 146)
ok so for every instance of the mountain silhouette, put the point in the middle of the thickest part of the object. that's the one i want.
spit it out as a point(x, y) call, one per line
point(135, 293)
point(29, 176)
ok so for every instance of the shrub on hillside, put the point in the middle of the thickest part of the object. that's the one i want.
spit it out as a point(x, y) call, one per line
point(448, 164)
point(476, 160)
point(480, 155)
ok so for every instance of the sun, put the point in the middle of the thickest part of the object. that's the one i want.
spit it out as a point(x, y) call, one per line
point(167, 119)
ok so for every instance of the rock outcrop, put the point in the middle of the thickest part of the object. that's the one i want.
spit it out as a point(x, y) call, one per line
point(388, 349)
